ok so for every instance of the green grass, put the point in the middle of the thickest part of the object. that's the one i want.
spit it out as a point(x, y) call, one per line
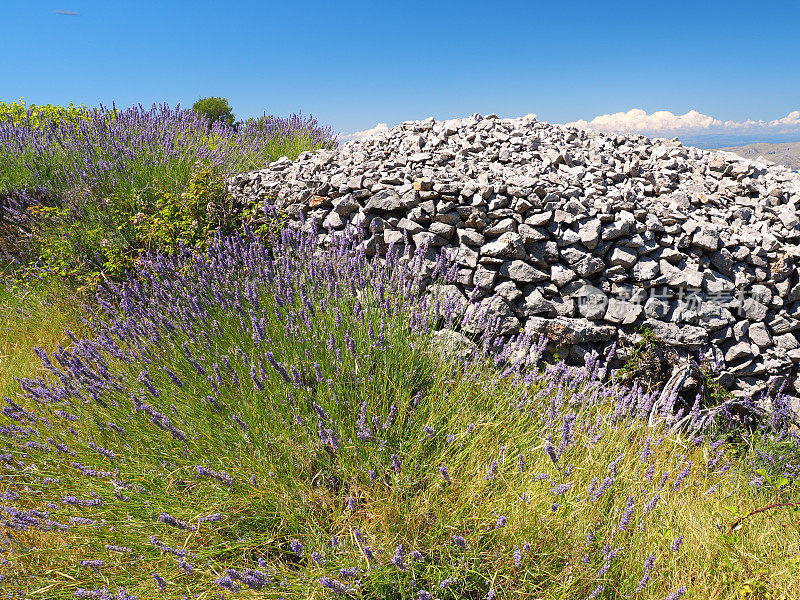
point(34, 317)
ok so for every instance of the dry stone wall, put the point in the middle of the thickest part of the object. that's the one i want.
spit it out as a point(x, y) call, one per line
point(583, 236)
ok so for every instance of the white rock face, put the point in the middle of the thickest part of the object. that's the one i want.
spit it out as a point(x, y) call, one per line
point(693, 243)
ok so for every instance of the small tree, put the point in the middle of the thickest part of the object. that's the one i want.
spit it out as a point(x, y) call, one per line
point(216, 109)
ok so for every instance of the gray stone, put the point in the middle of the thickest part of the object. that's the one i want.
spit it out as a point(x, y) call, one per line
point(333, 221)
point(386, 200)
point(589, 265)
point(393, 237)
point(656, 308)
point(509, 245)
point(738, 352)
point(781, 324)
point(787, 341)
point(753, 310)
point(539, 219)
point(589, 233)
point(518, 270)
point(563, 330)
point(345, 205)
point(531, 235)
point(493, 311)
point(706, 239)
point(645, 270)
point(621, 312)
point(462, 255)
point(484, 278)
point(623, 257)
point(717, 284)
point(561, 275)
point(686, 336)
point(508, 290)
point(501, 227)
point(534, 303)
point(759, 335)
point(412, 227)
point(442, 229)
point(686, 277)
point(592, 303)
point(425, 238)
point(454, 344)
point(470, 237)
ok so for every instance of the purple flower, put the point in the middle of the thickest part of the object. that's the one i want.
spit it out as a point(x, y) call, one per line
point(160, 581)
point(626, 516)
point(682, 475)
point(677, 594)
point(676, 543)
point(460, 542)
point(446, 583)
point(492, 474)
point(189, 568)
point(501, 522)
point(337, 587)
point(228, 584)
point(170, 520)
point(517, 557)
point(596, 592)
point(395, 463)
point(218, 475)
point(296, 547)
point(210, 518)
point(397, 560)
point(561, 489)
point(551, 452)
point(648, 566)
point(444, 473)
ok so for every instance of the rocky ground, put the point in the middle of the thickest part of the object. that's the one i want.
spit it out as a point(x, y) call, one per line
point(586, 237)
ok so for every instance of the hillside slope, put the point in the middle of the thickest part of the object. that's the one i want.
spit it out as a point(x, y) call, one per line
point(787, 153)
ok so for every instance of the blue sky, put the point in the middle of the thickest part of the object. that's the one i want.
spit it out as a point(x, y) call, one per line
point(354, 64)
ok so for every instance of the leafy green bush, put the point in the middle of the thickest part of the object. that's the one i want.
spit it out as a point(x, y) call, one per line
point(216, 109)
point(166, 220)
point(91, 240)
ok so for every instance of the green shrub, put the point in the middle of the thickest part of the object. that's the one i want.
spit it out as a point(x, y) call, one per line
point(90, 240)
point(166, 220)
point(216, 109)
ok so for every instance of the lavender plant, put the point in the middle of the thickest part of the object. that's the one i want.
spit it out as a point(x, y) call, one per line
point(282, 422)
point(113, 151)
point(92, 192)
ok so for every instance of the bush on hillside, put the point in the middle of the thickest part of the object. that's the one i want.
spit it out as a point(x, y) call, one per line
point(215, 109)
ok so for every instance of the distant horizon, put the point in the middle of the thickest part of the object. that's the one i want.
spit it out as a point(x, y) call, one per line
point(706, 141)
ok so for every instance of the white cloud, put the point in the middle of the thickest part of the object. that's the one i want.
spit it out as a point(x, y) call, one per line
point(665, 123)
point(360, 135)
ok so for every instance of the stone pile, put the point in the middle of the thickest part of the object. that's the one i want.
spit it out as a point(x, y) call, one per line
point(580, 235)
